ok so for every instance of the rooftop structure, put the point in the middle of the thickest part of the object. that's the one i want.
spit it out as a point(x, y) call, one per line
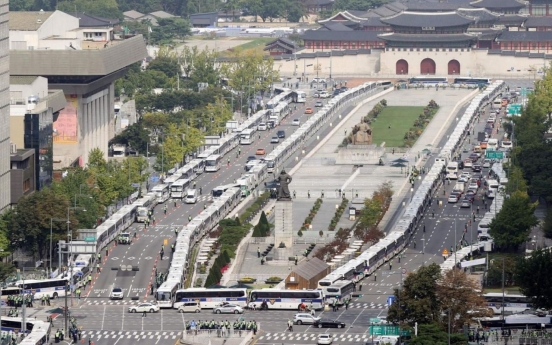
point(84, 62)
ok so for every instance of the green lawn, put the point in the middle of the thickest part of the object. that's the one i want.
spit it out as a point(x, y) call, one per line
point(254, 44)
point(391, 125)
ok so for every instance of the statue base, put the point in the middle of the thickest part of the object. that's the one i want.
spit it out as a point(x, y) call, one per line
point(360, 155)
point(283, 230)
point(283, 254)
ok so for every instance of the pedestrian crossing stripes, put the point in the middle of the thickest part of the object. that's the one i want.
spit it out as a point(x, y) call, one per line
point(98, 335)
point(130, 302)
point(343, 337)
point(118, 302)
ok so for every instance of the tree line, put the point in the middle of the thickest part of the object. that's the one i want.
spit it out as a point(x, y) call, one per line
point(79, 200)
point(172, 123)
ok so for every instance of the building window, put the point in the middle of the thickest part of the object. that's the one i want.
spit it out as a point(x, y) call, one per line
point(538, 10)
point(26, 185)
point(327, 44)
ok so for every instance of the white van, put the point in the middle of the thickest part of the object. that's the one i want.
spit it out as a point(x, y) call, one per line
point(492, 184)
point(191, 196)
point(261, 126)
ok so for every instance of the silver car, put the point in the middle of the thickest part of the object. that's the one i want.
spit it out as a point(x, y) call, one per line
point(304, 319)
point(228, 309)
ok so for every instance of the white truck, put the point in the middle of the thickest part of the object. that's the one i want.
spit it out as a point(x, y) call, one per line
point(459, 187)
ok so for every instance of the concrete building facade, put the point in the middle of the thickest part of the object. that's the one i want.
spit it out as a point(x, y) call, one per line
point(84, 68)
point(5, 197)
point(33, 108)
point(22, 174)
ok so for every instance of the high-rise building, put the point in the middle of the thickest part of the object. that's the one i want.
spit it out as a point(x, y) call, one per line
point(5, 196)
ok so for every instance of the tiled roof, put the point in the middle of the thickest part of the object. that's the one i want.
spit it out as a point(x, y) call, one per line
point(479, 14)
point(336, 26)
point(27, 20)
point(384, 11)
point(393, 37)
point(431, 19)
point(161, 14)
point(423, 6)
point(372, 22)
point(319, 35)
point(525, 36)
point(90, 21)
point(535, 22)
point(310, 269)
point(511, 19)
point(133, 14)
point(360, 14)
point(498, 4)
point(284, 41)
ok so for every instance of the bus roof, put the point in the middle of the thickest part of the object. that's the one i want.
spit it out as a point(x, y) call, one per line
point(159, 187)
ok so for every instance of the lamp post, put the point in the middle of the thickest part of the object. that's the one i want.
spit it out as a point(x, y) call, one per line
point(52, 219)
point(69, 261)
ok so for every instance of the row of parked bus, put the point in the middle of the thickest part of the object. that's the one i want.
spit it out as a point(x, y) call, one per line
point(395, 241)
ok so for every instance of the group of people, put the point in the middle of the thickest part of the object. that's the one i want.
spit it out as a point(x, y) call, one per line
point(10, 338)
point(239, 325)
point(17, 301)
point(489, 335)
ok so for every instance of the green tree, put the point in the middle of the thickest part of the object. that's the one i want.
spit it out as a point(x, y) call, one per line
point(547, 224)
point(134, 136)
point(494, 274)
point(356, 5)
point(199, 66)
point(417, 300)
point(435, 335)
point(169, 29)
point(512, 225)
point(30, 223)
point(173, 148)
point(100, 8)
point(534, 277)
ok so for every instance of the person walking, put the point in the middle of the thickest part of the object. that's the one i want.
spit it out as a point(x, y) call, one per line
point(144, 314)
point(98, 268)
point(78, 293)
point(360, 286)
point(375, 276)
point(258, 252)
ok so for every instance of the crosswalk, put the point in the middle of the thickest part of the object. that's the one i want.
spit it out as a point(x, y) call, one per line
point(113, 302)
point(355, 305)
point(98, 335)
point(342, 337)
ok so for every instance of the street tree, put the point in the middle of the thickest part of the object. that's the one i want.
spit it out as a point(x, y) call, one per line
point(547, 224)
point(134, 136)
point(512, 225)
point(417, 300)
point(30, 222)
point(534, 277)
point(101, 8)
point(199, 66)
point(173, 148)
point(156, 122)
point(166, 62)
point(459, 301)
point(249, 72)
point(435, 335)
point(218, 113)
point(494, 273)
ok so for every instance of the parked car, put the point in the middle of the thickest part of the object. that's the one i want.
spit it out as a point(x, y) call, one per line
point(189, 307)
point(281, 134)
point(144, 307)
point(329, 323)
point(228, 309)
point(251, 158)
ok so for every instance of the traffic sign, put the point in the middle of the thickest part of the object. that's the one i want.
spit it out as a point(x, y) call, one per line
point(445, 252)
point(390, 300)
point(523, 91)
point(90, 239)
point(375, 320)
point(79, 274)
point(387, 330)
point(494, 154)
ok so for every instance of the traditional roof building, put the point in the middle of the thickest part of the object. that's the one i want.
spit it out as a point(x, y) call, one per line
point(315, 6)
point(538, 24)
point(281, 46)
point(500, 6)
point(89, 21)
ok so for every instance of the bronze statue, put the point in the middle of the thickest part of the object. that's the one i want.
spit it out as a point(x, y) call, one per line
point(283, 191)
point(362, 134)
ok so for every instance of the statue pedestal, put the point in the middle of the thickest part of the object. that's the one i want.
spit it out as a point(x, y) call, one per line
point(283, 230)
point(359, 155)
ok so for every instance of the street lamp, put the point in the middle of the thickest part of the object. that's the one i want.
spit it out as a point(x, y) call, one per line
point(53, 219)
point(69, 261)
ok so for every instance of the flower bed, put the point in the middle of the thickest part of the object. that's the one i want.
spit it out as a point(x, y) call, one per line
point(338, 214)
point(308, 220)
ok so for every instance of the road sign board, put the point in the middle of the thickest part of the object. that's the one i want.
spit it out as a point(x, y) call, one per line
point(494, 154)
point(79, 274)
point(390, 300)
point(445, 252)
point(523, 91)
point(375, 320)
point(90, 239)
point(384, 330)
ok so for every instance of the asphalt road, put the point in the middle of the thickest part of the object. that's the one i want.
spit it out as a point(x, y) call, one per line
point(107, 321)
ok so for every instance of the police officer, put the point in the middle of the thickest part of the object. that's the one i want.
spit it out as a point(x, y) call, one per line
point(258, 252)
point(165, 209)
point(296, 260)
